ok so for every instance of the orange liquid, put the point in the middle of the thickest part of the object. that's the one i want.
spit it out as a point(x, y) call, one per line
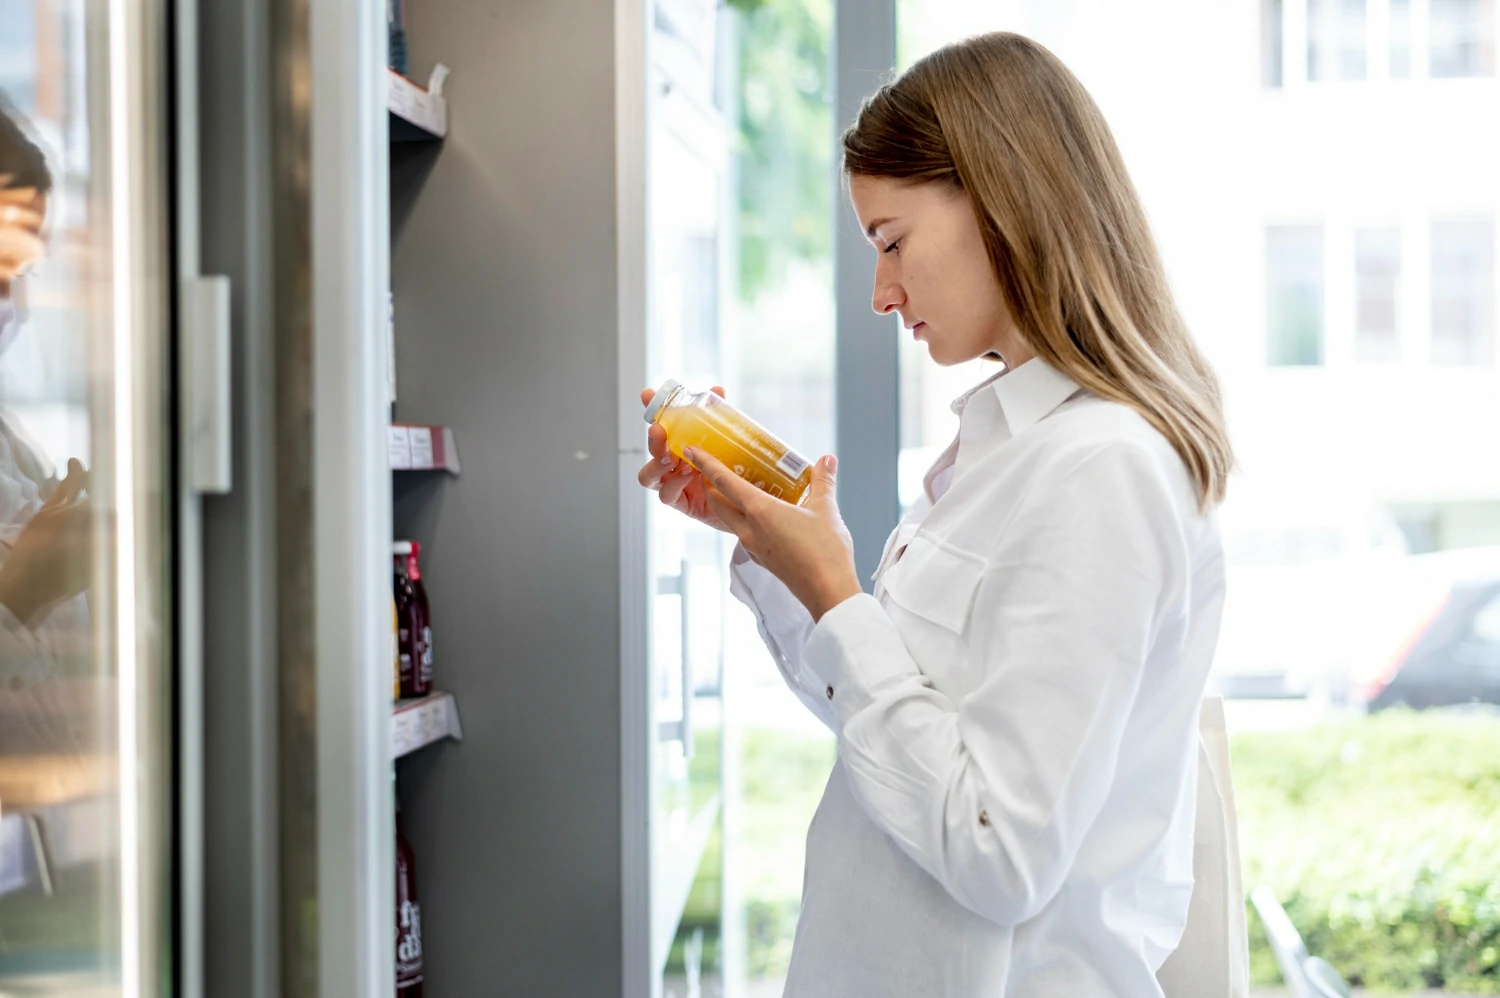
point(714, 426)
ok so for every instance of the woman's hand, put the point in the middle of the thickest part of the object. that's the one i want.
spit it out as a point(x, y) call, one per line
point(680, 485)
point(807, 547)
point(20, 230)
point(52, 558)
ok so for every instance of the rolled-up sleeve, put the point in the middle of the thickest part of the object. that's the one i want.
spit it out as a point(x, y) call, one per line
point(993, 795)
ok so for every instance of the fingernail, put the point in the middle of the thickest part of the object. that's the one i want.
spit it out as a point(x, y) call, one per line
point(667, 460)
point(691, 453)
point(832, 463)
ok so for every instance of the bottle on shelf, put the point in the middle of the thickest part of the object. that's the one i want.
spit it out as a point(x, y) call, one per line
point(395, 27)
point(414, 621)
point(408, 920)
point(705, 421)
point(395, 649)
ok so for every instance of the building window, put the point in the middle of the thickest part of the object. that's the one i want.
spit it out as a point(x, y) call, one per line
point(1272, 19)
point(1294, 295)
point(1463, 290)
point(1335, 39)
point(1377, 280)
point(1400, 28)
point(1462, 38)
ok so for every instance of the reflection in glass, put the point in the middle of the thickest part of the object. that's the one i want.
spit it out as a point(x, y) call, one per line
point(59, 891)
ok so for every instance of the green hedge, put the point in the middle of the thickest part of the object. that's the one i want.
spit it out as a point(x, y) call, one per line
point(1381, 837)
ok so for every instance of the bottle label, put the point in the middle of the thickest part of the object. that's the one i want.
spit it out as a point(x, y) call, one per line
point(792, 463)
point(409, 945)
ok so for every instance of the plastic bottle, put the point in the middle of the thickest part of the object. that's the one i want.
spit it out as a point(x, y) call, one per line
point(415, 621)
point(408, 920)
point(706, 421)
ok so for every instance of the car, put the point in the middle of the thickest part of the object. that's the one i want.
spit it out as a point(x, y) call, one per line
point(1452, 657)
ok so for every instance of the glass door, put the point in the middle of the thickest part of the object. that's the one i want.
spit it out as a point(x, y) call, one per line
point(687, 156)
point(84, 510)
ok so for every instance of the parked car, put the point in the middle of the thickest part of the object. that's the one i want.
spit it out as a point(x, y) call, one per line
point(1453, 656)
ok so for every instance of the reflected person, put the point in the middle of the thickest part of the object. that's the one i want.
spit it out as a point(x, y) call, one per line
point(46, 525)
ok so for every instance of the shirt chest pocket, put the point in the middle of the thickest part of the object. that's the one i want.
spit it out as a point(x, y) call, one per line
point(936, 581)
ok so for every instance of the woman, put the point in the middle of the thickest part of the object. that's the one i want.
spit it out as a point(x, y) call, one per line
point(1011, 812)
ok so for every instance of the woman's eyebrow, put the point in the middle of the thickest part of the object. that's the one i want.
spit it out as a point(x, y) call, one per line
point(870, 229)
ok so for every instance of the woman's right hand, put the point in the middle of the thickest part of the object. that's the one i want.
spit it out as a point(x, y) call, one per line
point(679, 483)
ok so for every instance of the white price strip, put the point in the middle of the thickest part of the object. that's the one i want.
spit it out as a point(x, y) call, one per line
point(421, 447)
point(400, 447)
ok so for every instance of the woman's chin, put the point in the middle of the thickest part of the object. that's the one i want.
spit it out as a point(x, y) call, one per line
point(945, 356)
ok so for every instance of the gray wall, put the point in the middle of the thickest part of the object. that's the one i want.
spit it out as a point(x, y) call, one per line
point(504, 270)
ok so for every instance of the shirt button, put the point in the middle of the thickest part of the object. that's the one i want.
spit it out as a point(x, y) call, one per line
point(830, 692)
point(984, 818)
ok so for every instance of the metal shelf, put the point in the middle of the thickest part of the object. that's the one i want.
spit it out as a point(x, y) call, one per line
point(419, 722)
point(418, 113)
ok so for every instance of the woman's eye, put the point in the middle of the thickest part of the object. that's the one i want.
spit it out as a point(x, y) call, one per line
point(892, 247)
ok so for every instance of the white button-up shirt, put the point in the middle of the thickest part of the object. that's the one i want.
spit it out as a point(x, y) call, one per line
point(1011, 812)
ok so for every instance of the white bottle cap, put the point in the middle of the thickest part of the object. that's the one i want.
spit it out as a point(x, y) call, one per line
point(401, 547)
point(663, 394)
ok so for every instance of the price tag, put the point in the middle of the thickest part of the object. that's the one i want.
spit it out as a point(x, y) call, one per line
point(421, 446)
point(400, 447)
point(400, 733)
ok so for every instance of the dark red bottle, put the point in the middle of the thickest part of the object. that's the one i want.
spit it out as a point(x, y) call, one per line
point(408, 920)
point(413, 621)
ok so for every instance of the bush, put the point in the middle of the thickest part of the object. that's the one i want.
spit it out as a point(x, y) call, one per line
point(1381, 836)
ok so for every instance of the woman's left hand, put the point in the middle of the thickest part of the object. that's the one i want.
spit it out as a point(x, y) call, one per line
point(807, 547)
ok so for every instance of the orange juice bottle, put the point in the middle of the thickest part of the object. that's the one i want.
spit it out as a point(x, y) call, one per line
point(706, 421)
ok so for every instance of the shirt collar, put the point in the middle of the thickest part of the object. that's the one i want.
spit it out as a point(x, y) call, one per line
point(1030, 392)
point(1026, 393)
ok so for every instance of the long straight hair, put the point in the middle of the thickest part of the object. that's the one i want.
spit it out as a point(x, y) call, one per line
point(1000, 117)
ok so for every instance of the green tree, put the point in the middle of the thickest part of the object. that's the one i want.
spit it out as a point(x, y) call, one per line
point(784, 147)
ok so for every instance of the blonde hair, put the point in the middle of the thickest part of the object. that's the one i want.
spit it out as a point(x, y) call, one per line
point(1000, 117)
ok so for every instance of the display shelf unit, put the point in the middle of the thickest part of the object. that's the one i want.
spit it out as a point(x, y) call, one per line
point(420, 721)
point(423, 448)
point(418, 113)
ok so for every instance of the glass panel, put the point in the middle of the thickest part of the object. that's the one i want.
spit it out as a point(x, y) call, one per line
point(1335, 39)
point(688, 157)
point(79, 624)
point(780, 354)
point(1345, 470)
point(1294, 295)
point(1462, 38)
point(1377, 281)
point(1463, 290)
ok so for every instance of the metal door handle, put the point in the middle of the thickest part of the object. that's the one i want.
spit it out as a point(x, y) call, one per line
point(671, 731)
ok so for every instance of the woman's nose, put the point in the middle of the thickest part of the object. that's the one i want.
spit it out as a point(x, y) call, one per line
point(888, 294)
